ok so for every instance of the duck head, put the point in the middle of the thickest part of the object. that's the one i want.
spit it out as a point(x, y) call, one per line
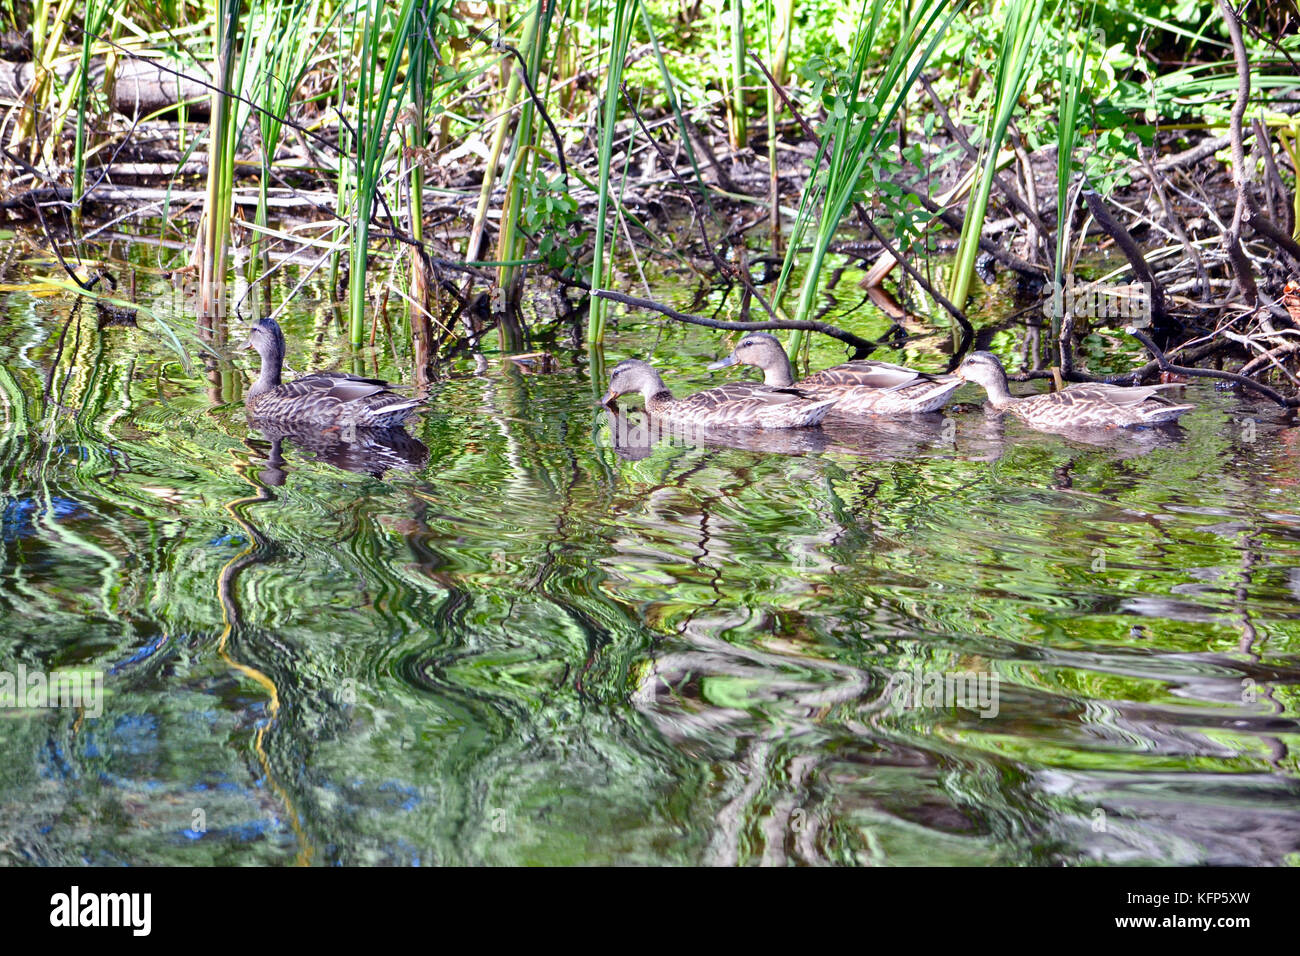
point(763, 351)
point(633, 375)
point(984, 368)
point(265, 336)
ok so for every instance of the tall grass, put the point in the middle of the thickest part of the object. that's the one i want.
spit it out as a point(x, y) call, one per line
point(864, 110)
point(739, 127)
point(96, 14)
point(509, 99)
point(293, 38)
point(379, 100)
point(510, 244)
point(622, 16)
point(1070, 85)
point(780, 28)
point(48, 26)
point(1016, 58)
point(214, 251)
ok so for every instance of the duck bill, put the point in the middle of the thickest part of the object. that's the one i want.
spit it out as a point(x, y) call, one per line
point(248, 344)
point(723, 363)
point(608, 400)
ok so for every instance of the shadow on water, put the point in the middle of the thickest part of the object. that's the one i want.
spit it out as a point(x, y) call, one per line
point(511, 634)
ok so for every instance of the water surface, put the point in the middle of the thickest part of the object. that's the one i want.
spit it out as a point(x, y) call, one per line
point(540, 646)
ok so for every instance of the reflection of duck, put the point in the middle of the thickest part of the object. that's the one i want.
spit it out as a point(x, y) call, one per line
point(364, 451)
point(737, 405)
point(859, 388)
point(634, 440)
point(1088, 405)
point(318, 398)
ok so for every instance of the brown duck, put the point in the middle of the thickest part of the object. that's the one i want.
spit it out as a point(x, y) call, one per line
point(318, 398)
point(737, 405)
point(859, 388)
point(1084, 406)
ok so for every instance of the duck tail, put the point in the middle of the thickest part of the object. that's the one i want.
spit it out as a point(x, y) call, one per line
point(1164, 413)
point(938, 395)
point(397, 412)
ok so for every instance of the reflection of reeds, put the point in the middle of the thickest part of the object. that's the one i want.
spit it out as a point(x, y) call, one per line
point(254, 551)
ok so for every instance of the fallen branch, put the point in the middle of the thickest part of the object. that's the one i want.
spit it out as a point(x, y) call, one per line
point(1129, 246)
point(860, 346)
point(1167, 366)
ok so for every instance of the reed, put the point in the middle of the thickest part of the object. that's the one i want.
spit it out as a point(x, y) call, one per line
point(96, 14)
point(1070, 84)
point(522, 158)
point(1016, 57)
point(509, 100)
point(214, 251)
point(864, 110)
point(293, 40)
point(738, 126)
point(780, 21)
point(379, 100)
point(622, 16)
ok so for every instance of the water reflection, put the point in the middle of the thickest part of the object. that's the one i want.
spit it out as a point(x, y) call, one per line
point(511, 636)
point(364, 451)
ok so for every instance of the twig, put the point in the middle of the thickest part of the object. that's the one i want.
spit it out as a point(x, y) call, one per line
point(541, 107)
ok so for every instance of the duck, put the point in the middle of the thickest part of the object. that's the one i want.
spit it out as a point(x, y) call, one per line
point(322, 399)
point(735, 405)
point(1087, 405)
point(860, 387)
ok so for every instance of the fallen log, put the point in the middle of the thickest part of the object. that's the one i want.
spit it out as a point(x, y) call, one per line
point(141, 87)
point(278, 199)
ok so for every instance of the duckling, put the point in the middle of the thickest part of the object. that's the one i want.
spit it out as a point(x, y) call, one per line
point(318, 398)
point(860, 388)
point(1085, 405)
point(737, 405)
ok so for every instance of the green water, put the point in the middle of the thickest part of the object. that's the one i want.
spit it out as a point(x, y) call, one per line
point(539, 646)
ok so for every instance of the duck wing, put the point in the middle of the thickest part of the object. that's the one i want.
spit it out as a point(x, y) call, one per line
point(335, 398)
point(1122, 395)
point(342, 386)
point(752, 394)
point(750, 405)
point(868, 374)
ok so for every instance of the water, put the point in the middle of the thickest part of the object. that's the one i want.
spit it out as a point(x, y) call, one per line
point(538, 647)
